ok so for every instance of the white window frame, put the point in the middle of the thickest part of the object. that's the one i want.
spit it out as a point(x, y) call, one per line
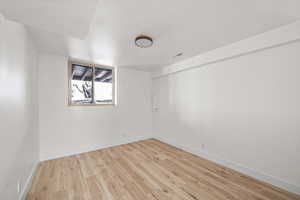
point(72, 62)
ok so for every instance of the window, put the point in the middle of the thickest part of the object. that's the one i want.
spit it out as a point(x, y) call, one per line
point(91, 84)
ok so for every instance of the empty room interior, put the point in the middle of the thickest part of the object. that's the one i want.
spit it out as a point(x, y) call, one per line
point(150, 100)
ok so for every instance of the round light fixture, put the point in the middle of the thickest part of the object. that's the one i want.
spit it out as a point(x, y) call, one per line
point(143, 41)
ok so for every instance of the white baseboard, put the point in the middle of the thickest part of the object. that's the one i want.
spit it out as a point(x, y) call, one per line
point(94, 148)
point(227, 163)
point(28, 183)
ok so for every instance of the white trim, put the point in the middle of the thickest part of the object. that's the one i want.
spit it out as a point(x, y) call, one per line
point(126, 141)
point(28, 183)
point(230, 164)
point(270, 39)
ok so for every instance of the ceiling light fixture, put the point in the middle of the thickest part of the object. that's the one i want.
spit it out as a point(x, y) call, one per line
point(143, 41)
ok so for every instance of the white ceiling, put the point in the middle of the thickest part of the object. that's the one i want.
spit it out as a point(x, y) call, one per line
point(104, 32)
point(70, 17)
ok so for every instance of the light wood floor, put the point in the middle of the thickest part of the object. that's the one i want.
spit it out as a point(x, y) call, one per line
point(146, 170)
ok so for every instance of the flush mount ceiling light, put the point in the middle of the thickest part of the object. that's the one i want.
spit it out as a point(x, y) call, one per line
point(143, 41)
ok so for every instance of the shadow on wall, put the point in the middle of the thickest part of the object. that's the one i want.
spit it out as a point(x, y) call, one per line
point(173, 112)
point(17, 170)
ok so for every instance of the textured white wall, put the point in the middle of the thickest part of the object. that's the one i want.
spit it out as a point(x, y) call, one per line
point(68, 130)
point(245, 110)
point(18, 108)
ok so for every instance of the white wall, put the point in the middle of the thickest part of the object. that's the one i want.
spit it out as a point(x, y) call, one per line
point(244, 110)
point(18, 108)
point(69, 130)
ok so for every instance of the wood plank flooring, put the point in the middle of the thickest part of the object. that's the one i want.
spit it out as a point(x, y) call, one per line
point(145, 170)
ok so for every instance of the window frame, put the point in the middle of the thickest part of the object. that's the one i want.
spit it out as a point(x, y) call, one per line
point(72, 62)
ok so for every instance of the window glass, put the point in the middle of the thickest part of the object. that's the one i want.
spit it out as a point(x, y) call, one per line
point(103, 86)
point(91, 85)
point(82, 84)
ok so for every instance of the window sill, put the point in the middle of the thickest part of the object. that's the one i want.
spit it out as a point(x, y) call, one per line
point(90, 105)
